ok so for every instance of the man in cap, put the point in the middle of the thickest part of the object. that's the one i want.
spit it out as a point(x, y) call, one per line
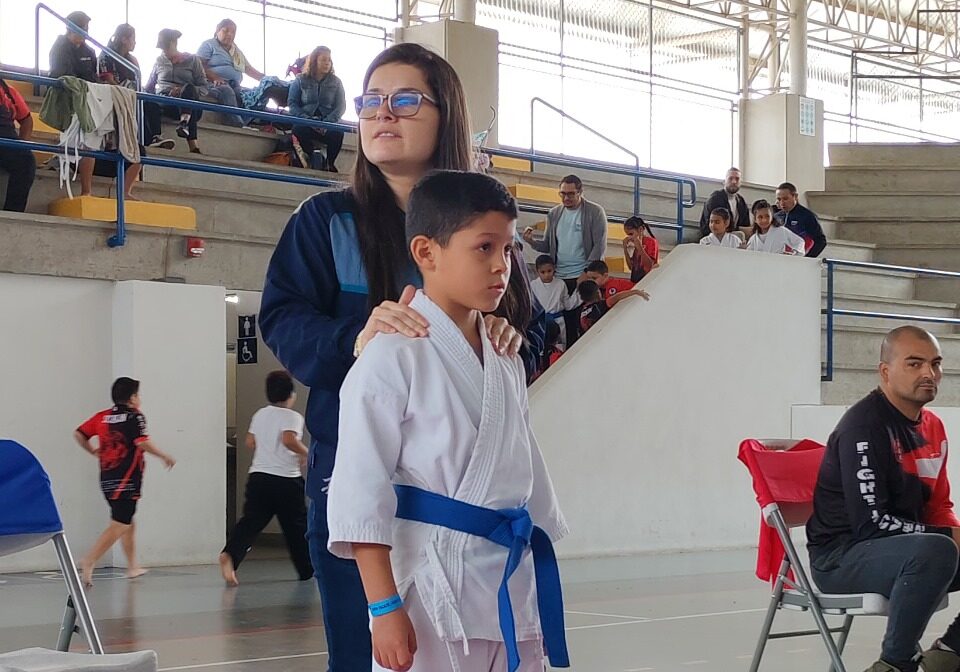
point(70, 54)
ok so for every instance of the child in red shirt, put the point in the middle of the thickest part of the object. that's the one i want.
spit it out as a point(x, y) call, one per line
point(640, 248)
point(122, 440)
point(614, 290)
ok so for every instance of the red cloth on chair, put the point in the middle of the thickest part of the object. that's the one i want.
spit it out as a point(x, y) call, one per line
point(779, 477)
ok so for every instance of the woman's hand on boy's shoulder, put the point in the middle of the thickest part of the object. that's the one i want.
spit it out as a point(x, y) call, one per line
point(506, 340)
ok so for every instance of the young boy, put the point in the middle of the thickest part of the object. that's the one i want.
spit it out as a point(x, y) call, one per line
point(613, 290)
point(122, 440)
point(438, 473)
point(275, 486)
point(594, 306)
point(552, 293)
point(720, 233)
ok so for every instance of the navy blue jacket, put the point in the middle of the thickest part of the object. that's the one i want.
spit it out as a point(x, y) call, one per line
point(805, 224)
point(313, 307)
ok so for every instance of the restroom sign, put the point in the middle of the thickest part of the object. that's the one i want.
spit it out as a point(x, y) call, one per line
point(246, 326)
point(246, 339)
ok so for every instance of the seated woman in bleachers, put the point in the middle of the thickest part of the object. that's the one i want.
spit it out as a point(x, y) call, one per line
point(317, 93)
point(223, 62)
point(770, 235)
point(721, 233)
point(115, 72)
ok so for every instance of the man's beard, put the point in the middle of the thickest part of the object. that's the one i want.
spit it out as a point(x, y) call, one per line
point(731, 190)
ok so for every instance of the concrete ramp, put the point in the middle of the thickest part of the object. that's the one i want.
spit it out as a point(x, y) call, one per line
point(640, 422)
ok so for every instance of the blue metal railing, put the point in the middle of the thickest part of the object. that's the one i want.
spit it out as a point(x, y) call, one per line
point(119, 238)
point(682, 200)
point(636, 157)
point(830, 311)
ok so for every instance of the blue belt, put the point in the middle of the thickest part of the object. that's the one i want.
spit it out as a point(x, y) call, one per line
point(513, 529)
point(555, 316)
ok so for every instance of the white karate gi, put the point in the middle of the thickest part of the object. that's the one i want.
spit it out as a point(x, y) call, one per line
point(776, 240)
point(729, 240)
point(555, 298)
point(425, 412)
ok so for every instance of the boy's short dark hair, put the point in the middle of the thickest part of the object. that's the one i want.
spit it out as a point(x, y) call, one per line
point(279, 387)
point(123, 388)
point(574, 180)
point(447, 201)
point(598, 266)
point(789, 186)
point(545, 260)
point(588, 290)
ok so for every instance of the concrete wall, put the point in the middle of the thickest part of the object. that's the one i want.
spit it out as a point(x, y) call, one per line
point(65, 341)
point(642, 447)
point(249, 391)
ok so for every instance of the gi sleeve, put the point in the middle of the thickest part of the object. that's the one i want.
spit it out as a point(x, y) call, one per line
point(362, 504)
point(542, 505)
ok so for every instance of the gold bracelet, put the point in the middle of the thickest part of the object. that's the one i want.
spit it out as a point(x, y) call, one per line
point(356, 346)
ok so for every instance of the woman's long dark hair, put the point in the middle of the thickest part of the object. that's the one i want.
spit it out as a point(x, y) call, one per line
point(123, 30)
point(380, 221)
point(517, 303)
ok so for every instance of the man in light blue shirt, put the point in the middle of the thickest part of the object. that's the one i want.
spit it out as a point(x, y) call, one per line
point(576, 234)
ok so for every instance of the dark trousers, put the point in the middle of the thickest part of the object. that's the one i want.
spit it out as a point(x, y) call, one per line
point(309, 138)
point(914, 571)
point(267, 496)
point(345, 618)
point(571, 318)
point(21, 167)
point(188, 92)
point(152, 125)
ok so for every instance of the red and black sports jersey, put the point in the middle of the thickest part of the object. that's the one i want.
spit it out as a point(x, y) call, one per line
point(120, 431)
point(881, 475)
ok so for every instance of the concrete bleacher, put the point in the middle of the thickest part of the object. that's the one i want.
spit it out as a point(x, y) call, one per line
point(241, 219)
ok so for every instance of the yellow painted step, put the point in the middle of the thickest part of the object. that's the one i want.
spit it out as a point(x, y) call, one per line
point(25, 88)
point(138, 212)
point(510, 163)
point(617, 264)
point(42, 131)
point(531, 192)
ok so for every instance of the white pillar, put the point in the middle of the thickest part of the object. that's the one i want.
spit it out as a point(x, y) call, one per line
point(798, 47)
point(405, 13)
point(465, 10)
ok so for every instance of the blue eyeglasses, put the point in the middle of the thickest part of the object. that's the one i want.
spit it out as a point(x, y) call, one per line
point(400, 103)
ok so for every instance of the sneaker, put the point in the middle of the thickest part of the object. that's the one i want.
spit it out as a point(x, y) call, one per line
point(881, 666)
point(182, 130)
point(938, 660)
point(160, 142)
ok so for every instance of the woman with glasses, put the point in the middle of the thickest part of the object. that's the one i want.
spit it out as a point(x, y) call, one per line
point(317, 93)
point(341, 274)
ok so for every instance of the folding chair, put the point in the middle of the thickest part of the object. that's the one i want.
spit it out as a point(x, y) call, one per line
point(29, 518)
point(784, 473)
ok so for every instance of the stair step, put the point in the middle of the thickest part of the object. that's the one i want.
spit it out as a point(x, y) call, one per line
point(144, 213)
point(921, 155)
point(891, 231)
point(878, 305)
point(850, 384)
point(873, 282)
point(945, 180)
point(879, 205)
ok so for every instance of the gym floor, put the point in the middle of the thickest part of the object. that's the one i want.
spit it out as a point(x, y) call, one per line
point(659, 613)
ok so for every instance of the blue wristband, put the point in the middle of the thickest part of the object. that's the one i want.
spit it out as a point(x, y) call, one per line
point(384, 607)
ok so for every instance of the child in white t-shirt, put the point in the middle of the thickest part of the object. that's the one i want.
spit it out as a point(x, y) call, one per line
point(720, 233)
point(275, 486)
point(770, 235)
point(552, 294)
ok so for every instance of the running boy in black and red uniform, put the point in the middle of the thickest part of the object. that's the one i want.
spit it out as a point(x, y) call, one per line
point(122, 440)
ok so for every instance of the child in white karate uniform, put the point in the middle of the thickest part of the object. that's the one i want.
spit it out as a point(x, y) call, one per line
point(770, 235)
point(552, 294)
point(439, 484)
point(720, 231)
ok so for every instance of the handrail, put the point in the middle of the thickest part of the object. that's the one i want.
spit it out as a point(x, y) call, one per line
point(617, 169)
point(830, 311)
point(120, 237)
point(565, 115)
point(77, 29)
